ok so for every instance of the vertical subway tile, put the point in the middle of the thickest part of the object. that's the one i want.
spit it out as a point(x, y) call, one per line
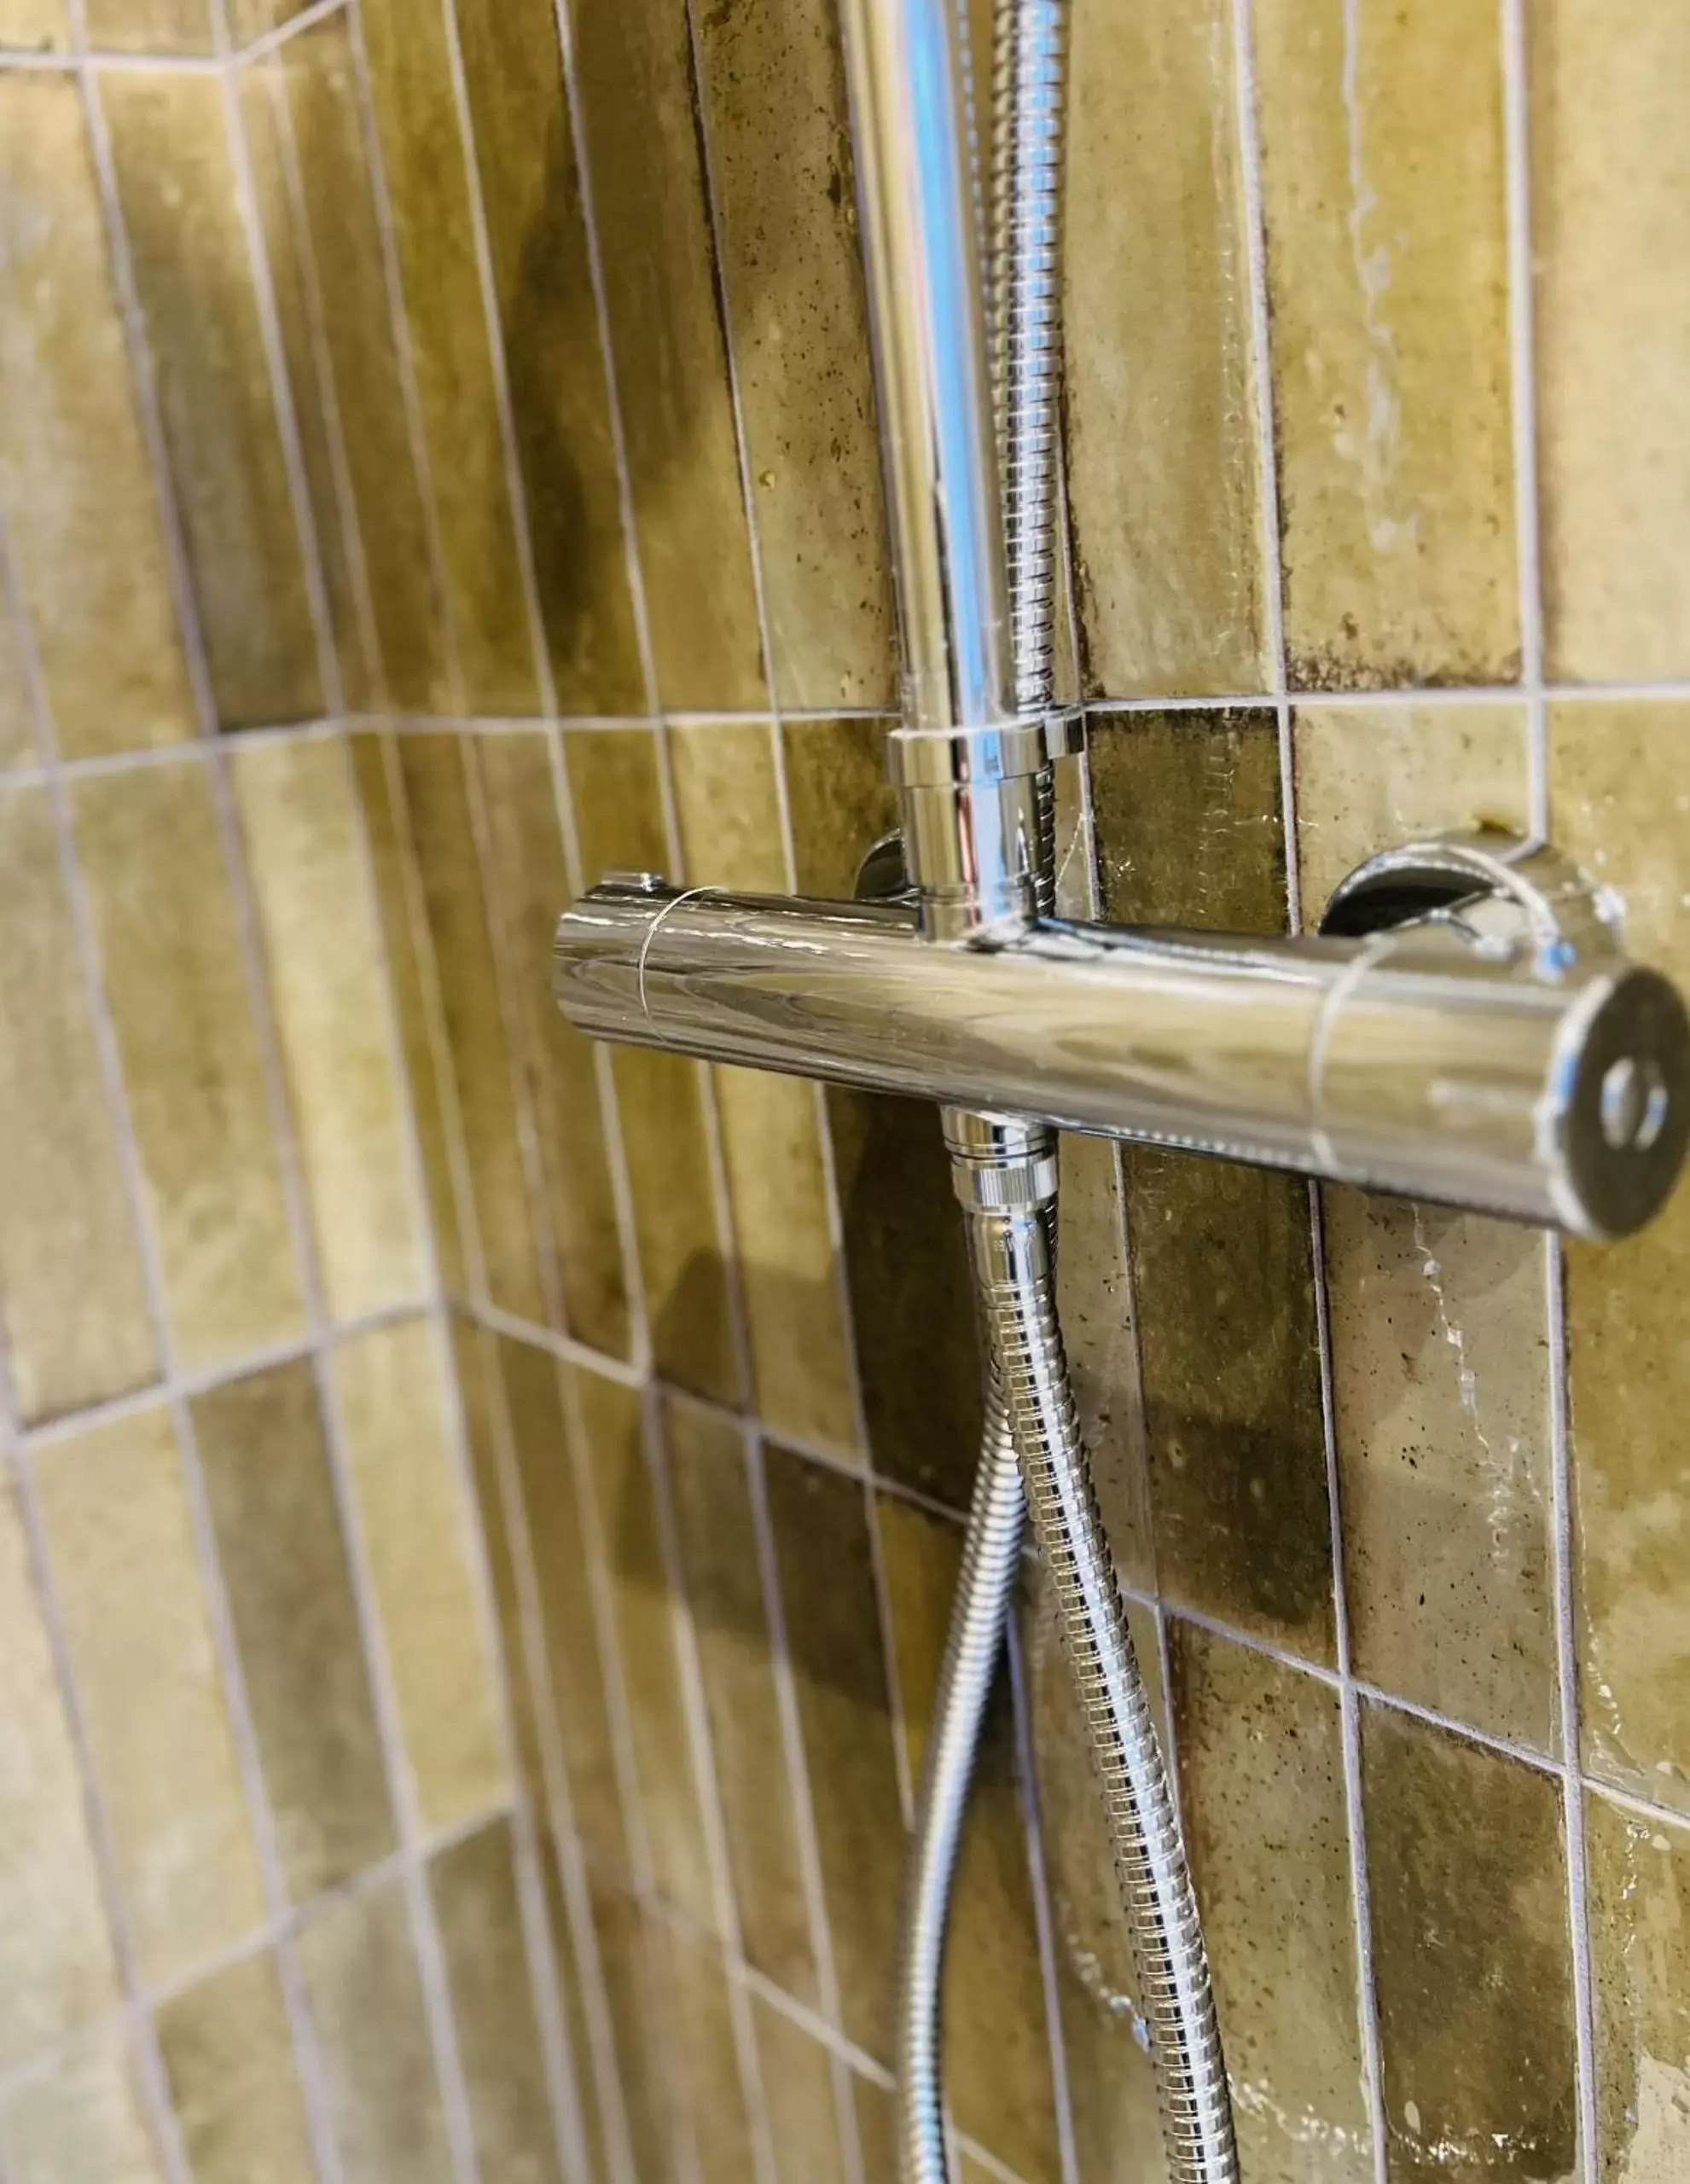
point(839, 797)
point(633, 1951)
point(20, 744)
point(365, 1995)
point(719, 1563)
point(119, 1541)
point(1383, 189)
point(1610, 238)
point(473, 1886)
point(321, 943)
point(532, 883)
point(284, 1562)
point(1262, 1785)
point(644, 1616)
point(1438, 1331)
point(1620, 794)
point(998, 2073)
point(530, 184)
point(34, 26)
point(797, 2091)
point(77, 1323)
point(444, 833)
point(594, 2093)
point(228, 2054)
point(643, 151)
point(74, 474)
point(149, 26)
point(877, 2132)
point(1471, 1955)
point(424, 157)
point(193, 272)
point(82, 2120)
point(393, 1403)
point(499, 1524)
point(164, 916)
point(1161, 437)
point(1222, 1256)
point(825, 1559)
point(1640, 1880)
point(786, 213)
point(342, 234)
point(721, 2128)
point(59, 1968)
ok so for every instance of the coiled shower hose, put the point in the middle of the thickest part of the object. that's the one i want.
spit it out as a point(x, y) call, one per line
point(1005, 1178)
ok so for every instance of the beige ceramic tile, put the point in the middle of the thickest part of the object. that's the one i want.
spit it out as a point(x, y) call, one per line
point(176, 184)
point(530, 184)
point(60, 1971)
point(1387, 267)
point(786, 217)
point(1222, 1256)
point(1611, 237)
point(423, 155)
point(1438, 1320)
point(120, 1538)
point(797, 2094)
point(164, 915)
point(530, 881)
point(590, 2064)
point(645, 1619)
point(442, 821)
point(824, 1558)
point(722, 2129)
point(1640, 1880)
point(394, 1408)
point(321, 945)
point(1472, 1956)
point(76, 1314)
point(474, 1364)
point(19, 743)
point(473, 1887)
point(1262, 1785)
point(366, 2002)
point(149, 26)
point(633, 1957)
point(666, 334)
point(74, 469)
point(840, 799)
point(343, 236)
point(81, 2121)
point(35, 26)
point(284, 1563)
point(1620, 802)
point(998, 2071)
point(228, 2056)
point(1162, 449)
point(718, 1547)
point(876, 2124)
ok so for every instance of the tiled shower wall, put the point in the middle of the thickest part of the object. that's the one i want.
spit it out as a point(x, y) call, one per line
point(480, 1514)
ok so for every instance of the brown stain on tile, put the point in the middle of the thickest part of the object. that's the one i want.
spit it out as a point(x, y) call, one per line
point(1471, 1955)
point(1382, 189)
point(119, 1541)
point(424, 159)
point(797, 2093)
point(1610, 245)
point(825, 1559)
point(228, 2054)
point(1640, 1939)
point(176, 179)
point(1262, 1789)
point(74, 474)
point(61, 1970)
point(149, 26)
point(998, 2077)
point(1221, 1255)
point(531, 885)
point(1161, 433)
point(716, 1530)
point(82, 2120)
point(530, 184)
point(165, 920)
point(342, 234)
point(283, 1559)
point(327, 985)
point(1620, 791)
point(474, 1890)
point(643, 150)
point(786, 208)
point(75, 1306)
point(644, 1614)
point(395, 1413)
point(434, 770)
point(365, 1997)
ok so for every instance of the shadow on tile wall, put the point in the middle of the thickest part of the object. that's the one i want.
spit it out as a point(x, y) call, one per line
point(479, 1512)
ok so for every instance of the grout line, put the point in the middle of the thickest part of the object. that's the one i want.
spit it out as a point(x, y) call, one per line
point(268, 42)
point(18, 61)
point(1523, 393)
